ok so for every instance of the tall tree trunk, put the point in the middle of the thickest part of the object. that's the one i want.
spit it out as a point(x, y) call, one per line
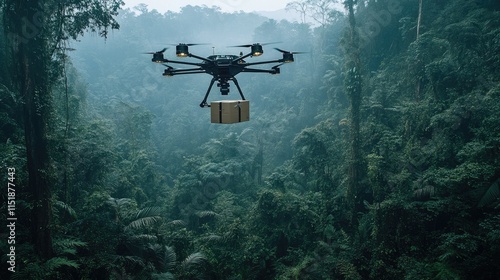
point(419, 20)
point(24, 23)
point(419, 17)
point(30, 29)
point(37, 158)
point(353, 89)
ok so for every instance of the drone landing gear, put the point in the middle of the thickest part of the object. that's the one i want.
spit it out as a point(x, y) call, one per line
point(224, 89)
point(238, 87)
point(204, 102)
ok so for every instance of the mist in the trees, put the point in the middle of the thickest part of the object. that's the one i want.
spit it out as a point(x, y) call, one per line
point(374, 155)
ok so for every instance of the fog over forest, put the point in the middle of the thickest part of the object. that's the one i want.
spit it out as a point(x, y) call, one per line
point(374, 155)
point(116, 71)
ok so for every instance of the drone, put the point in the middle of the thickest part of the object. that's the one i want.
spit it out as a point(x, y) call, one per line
point(222, 68)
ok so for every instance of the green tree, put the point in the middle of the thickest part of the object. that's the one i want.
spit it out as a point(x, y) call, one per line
point(36, 30)
point(353, 88)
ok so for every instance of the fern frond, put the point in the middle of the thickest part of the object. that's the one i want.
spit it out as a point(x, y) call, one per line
point(447, 256)
point(58, 262)
point(144, 238)
point(348, 270)
point(148, 212)
point(142, 222)
point(145, 217)
point(491, 194)
point(204, 214)
point(30, 271)
point(178, 223)
point(66, 208)
point(124, 207)
point(69, 243)
point(212, 238)
point(120, 273)
point(68, 251)
point(443, 271)
point(119, 202)
point(169, 258)
point(193, 260)
point(129, 260)
point(424, 193)
point(162, 276)
point(67, 246)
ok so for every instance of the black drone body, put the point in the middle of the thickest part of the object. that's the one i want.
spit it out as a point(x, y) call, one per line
point(223, 68)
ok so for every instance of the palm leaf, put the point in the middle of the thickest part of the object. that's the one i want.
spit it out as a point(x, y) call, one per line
point(119, 202)
point(162, 276)
point(178, 223)
point(129, 260)
point(145, 218)
point(144, 238)
point(142, 222)
point(491, 194)
point(424, 193)
point(169, 258)
point(204, 214)
point(212, 238)
point(122, 207)
point(193, 261)
point(148, 212)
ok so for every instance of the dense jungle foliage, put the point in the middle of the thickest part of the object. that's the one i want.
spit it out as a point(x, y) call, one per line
point(376, 155)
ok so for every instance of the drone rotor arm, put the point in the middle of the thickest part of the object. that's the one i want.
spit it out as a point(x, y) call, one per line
point(172, 72)
point(185, 71)
point(199, 57)
point(241, 57)
point(277, 66)
point(265, 62)
point(182, 62)
point(254, 70)
point(168, 66)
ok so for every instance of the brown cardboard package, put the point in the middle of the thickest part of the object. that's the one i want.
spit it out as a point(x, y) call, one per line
point(230, 111)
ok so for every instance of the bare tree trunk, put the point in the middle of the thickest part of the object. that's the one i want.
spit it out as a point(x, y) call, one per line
point(419, 17)
point(300, 7)
point(353, 89)
point(419, 82)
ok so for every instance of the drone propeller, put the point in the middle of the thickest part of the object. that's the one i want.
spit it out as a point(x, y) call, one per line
point(168, 71)
point(241, 46)
point(256, 48)
point(158, 52)
point(287, 56)
point(182, 49)
point(189, 45)
point(283, 51)
point(249, 45)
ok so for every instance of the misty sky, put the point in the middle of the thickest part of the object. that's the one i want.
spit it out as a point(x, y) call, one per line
point(226, 5)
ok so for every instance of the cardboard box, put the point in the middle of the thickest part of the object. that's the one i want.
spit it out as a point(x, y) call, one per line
point(230, 111)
